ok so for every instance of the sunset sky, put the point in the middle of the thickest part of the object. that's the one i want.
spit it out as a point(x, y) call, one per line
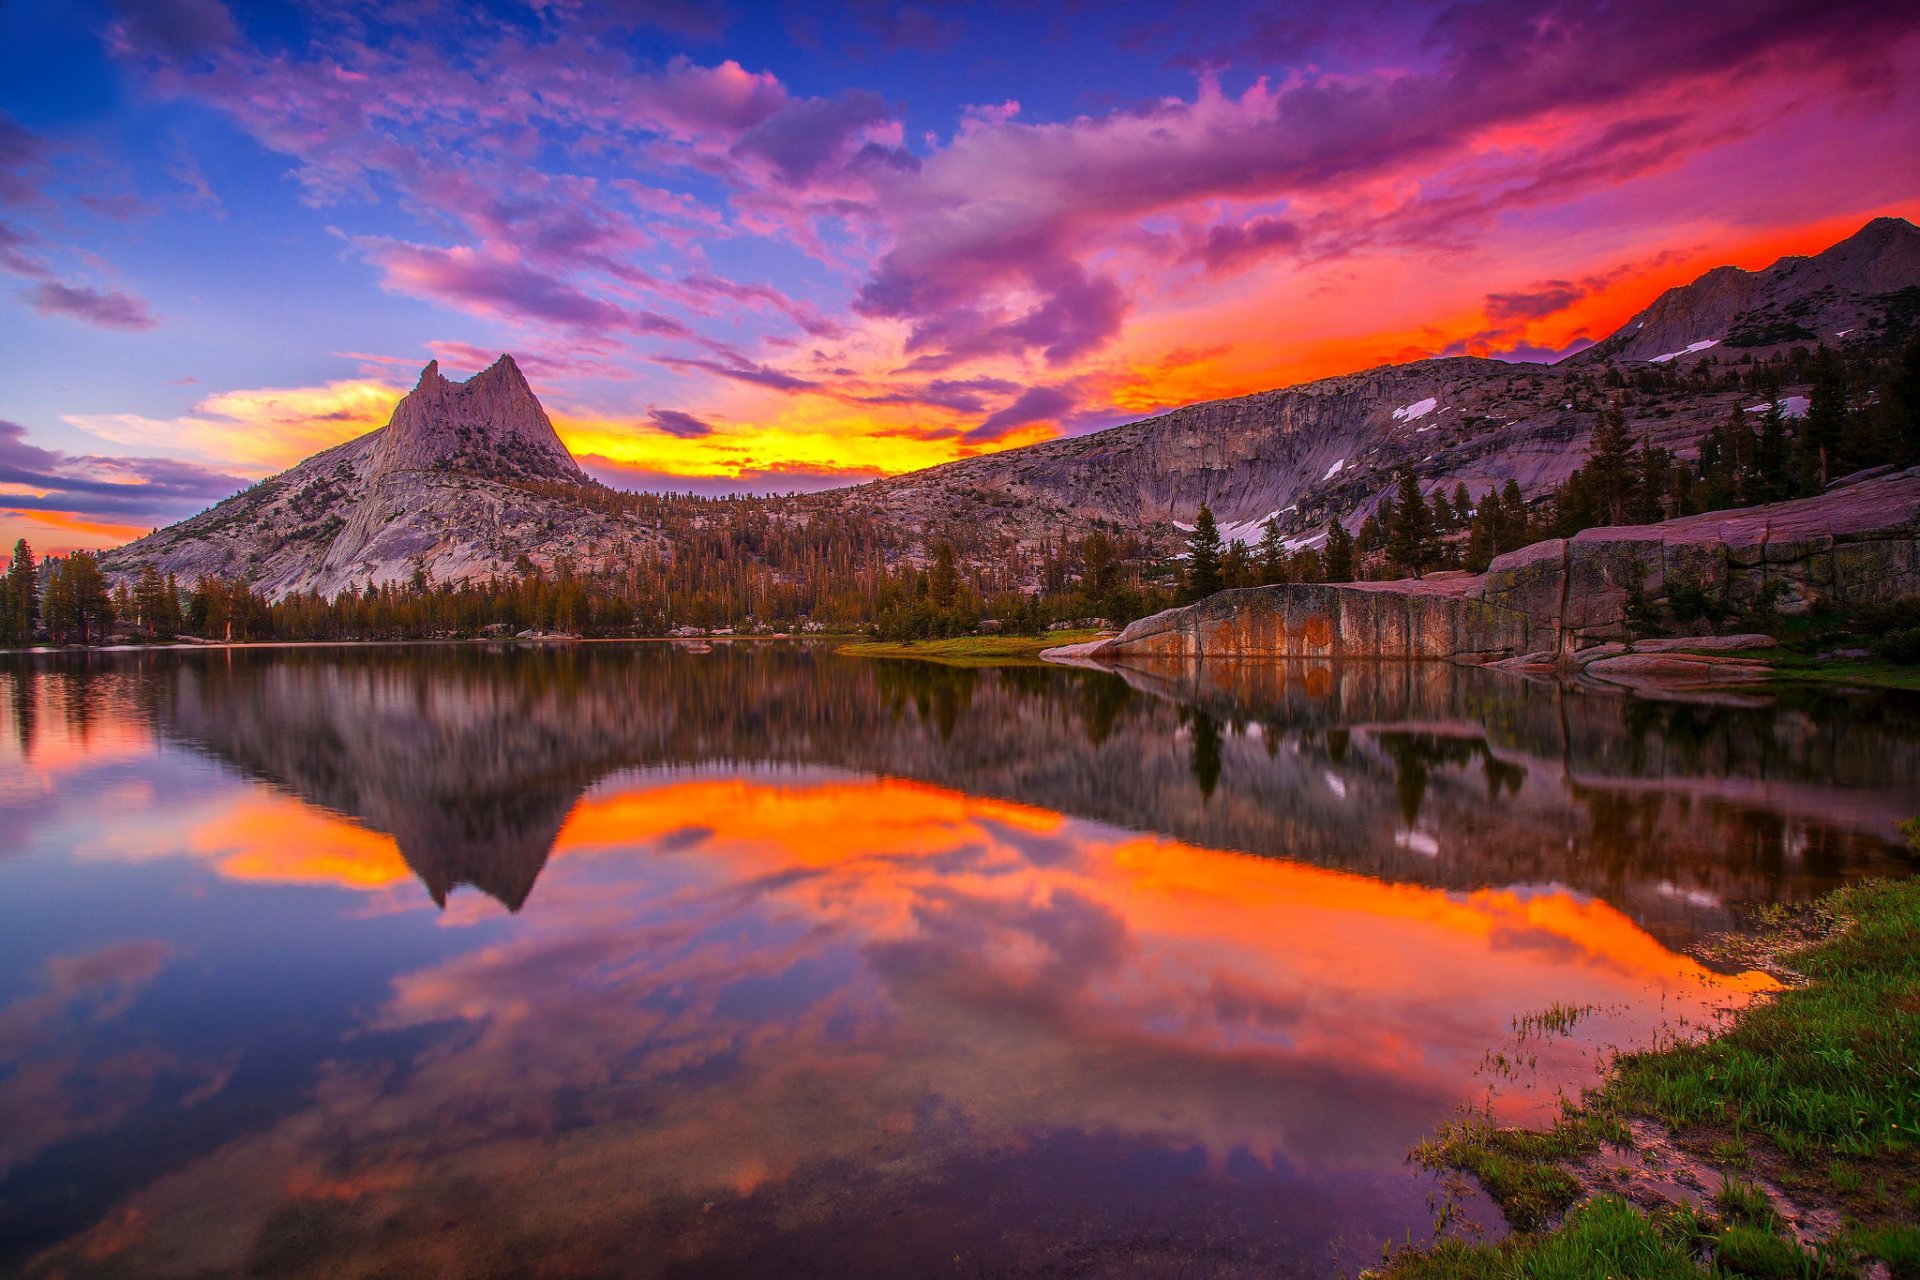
point(791, 245)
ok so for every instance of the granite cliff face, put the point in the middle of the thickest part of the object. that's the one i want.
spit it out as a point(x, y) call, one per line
point(1857, 544)
point(464, 478)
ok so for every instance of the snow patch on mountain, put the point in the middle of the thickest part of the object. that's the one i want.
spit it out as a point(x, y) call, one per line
point(1418, 409)
point(1691, 347)
point(1790, 406)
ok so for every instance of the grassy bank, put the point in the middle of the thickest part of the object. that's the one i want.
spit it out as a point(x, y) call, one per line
point(1873, 673)
point(1804, 1113)
point(967, 651)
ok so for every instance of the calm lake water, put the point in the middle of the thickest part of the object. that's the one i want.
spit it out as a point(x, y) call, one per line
point(642, 960)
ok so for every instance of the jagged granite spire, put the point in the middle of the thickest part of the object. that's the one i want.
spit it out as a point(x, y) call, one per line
point(490, 425)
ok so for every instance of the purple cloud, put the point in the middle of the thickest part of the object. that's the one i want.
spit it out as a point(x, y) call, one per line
point(144, 490)
point(1547, 298)
point(1035, 404)
point(104, 308)
point(1233, 244)
point(497, 286)
point(179, 28)
point(807, 136)
point(759, 375)
point(679, 424)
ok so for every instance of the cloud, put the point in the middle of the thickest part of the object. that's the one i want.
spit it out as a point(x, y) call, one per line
point(1233, 244)
point(1546, 298)
point(23, 163)
point(255, 432)
point(105, 308)
point(743, 371)
point(490, 285)
point(753, 480)
point(1035, 404)
point(676, 423)
point(149, 490)
point(805, 137)
point(178, 28)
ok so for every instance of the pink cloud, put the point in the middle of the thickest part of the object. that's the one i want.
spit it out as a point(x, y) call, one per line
point(103, 307)
point(498, 286)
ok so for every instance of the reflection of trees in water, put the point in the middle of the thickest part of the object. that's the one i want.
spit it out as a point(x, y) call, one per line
point(472, 757)
point(940, 694)
point(1416, 755)
point(1204, 732)
point(21, 708)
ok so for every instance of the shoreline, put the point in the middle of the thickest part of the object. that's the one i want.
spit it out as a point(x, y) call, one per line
point(1785, 1144)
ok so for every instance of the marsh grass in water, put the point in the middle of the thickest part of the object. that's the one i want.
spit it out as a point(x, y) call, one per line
point(968, 650)
point(1817, 1090)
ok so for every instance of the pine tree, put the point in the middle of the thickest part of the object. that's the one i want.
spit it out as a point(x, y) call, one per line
point(1203, 556)
point(1236, 567)
point(20, 598)
point(1609, 471)
point(943, 582)
point(1339, 557)
point(1411, 543)
point(1817, 439)
point(1273, 554)
point(1773, 482)
point(78, 605)
point(1481, 536)
point(1650, 488)
point(1512, 532)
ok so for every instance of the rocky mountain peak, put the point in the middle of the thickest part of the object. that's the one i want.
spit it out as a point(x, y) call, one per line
point(492, 424)
point(1826, 297)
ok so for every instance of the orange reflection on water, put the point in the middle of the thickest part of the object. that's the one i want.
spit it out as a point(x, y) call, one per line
point(1216, 950)
point(269, 837)
point(725, 984)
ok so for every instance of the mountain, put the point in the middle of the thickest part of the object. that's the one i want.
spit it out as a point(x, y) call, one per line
point(1827, 298)
point(469, 476)
point(1306, 453)
point(465, 478)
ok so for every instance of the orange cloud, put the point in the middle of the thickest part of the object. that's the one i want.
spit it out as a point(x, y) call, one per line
point(255, 432)
point(72, 531)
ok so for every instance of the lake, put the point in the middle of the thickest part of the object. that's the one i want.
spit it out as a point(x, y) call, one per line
point(755, 960)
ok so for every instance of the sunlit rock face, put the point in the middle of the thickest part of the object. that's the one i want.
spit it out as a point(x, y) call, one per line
point(465, 478)
point(1856, 545)
point(1420, 619)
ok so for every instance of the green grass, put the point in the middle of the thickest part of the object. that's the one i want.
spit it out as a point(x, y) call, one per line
point(1801, 668)
point(1819, 1087)
point(967, 651)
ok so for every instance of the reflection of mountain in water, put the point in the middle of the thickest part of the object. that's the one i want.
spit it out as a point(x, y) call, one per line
point(1424, 773)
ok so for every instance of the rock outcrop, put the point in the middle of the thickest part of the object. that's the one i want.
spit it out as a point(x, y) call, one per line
point(1350, 620)
point(1857, 544)
point(461, 482)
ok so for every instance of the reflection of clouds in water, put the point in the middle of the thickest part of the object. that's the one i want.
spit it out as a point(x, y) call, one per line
point(68, 1068)
point(727, 980)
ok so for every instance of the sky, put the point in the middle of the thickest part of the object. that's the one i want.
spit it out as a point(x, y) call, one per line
point(795, 245)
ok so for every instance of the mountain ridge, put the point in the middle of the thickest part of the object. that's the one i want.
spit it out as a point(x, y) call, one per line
point(469, 480)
